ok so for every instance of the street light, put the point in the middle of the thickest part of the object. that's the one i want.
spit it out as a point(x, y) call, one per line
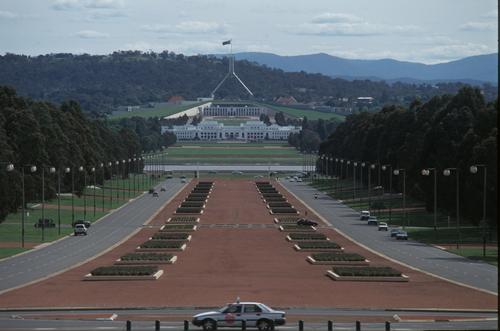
point(474, 169)
point(384, 168)
point(93, 172)
point(110, 165)
point(447, 172)
point(128, 176)
point(427, 172)
point(372, 166)
point(361, 179)
point(341, 168)
point(117, 163)
point(397, 172)
point(66, 170)
point(51, 170)
point(32, 169)
point(354, 167)
point(81, 169)
point(102, 187)
point(123, 179)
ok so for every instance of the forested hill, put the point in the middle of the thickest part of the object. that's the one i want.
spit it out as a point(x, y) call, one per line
point(101, 82)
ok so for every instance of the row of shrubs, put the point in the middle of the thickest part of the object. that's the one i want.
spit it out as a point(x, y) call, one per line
point(163, 235)
point(174, 220)
point(149, 256)
point(125, 271)
point(195, 201)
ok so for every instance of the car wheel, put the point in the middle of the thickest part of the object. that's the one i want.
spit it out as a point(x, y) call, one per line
point(209, 325)
point(264, 325)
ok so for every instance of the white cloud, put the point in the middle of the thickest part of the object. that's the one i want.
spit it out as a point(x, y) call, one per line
point(91, 34)
point(339, 24)
point(336, 18)
point(89, 4)
point(188, 27)
point(492, 14)
point(479, 26)
point(8, 15)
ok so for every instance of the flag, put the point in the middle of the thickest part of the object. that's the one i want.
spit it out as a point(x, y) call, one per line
point(227, 42)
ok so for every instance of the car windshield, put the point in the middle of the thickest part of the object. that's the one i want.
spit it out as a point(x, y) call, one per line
point(223, 309)
point(264, 307)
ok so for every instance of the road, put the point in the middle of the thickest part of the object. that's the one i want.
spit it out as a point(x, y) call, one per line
point(143, 319)
point(63, 254)
point(424, 257)
point(235, 167)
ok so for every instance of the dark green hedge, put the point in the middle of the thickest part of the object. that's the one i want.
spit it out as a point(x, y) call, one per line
point(275, 199)
point(272, 195)
point(198, 195)
point(307, 236)
point(288, 219)
point(188, 210)
point(273, 204)
point(170, 236)
point(283, 210)
point(169, 226)
point(182, 220)
point(198, 204)
point(125, 271)
point(318, 245)
point(367, 271)
point(147, 257)
point(162, 244)
point(337, 257)
point(190, 198)
point(292, 227)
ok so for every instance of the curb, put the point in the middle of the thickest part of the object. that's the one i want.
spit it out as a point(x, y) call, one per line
point(100, 253)
point(387, 257)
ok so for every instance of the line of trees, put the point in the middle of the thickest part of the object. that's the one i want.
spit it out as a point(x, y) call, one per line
point(44, 135)
point(446, 132)
point(102, 82)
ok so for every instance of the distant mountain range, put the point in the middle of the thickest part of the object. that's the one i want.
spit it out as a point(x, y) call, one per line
point(473, 70)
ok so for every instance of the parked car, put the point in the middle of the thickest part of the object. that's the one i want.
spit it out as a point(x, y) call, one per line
point(183, 180)
point(299, 179)
point(162, 189)
point(402, 235)
point(155, 194)
point(372, 220)
point(151, 191)
point(169, 176)
point(382, 226)
point(45, 223)
point(394, 232)
point(305, 221)
point(84, 222)
point(254, 313)
point(292, 179)
point(364, 215)
point(80, 229)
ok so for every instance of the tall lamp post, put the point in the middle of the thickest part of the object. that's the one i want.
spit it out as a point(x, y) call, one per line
point(110, 164)
point(66, 170)
point(427, 172)
point(384, 168)
point(117, 163)
point(347, 170)
point(102, 186)
point(32, 170)
point(51, 171)
point(354, 168)
point(81, 169)
point(447, 172)
point(474, 169)
point(372, 166)
point(361, 179)
point(341, 168)
point(128, 176)
point(397, 172)
point(93, 172)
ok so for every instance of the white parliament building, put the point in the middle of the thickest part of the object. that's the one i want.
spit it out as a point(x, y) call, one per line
point(251, 130)
point(248, 131)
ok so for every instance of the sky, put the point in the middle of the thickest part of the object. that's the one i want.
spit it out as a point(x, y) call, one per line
point(426, 31)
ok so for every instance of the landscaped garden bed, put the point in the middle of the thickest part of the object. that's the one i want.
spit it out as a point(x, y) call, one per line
point(276, 199)
point(370, 274)
point(162, 235)
point(198, 204)
point(352, 259)
point(189, 210)
point(162, 245)
point(125, 273)
point(306, 236)
point(146, 258)
point(183, 220)
point(201, 190)
point(190, 199)
point(273, 204)
point(272, 195)
point(286, 220)
point(295, 227)
point(317, 246)
point(178, 227)
point(204, 195)
point(283, 210)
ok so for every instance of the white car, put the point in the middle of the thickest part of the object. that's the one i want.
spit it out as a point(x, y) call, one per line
point(382, 226)
point(299, 179)
point(80, 229)
point(364, 215)
point(255, 314)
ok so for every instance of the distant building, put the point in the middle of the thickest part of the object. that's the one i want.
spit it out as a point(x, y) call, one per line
point(233, 109)
point(175, 100)
point(364, 100)
point(289, 100)
point(249, 131)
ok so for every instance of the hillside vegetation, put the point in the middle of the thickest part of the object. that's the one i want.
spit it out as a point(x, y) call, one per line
point(102, 82)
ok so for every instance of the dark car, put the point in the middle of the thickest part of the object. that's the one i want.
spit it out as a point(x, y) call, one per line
point(45, 223)
point(372, 220)
point(155, 194)
point(151, 191)
point(84, 222)
point(304, 221)
point(162, 189)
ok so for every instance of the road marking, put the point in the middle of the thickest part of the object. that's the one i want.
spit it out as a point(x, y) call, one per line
point(383, 255)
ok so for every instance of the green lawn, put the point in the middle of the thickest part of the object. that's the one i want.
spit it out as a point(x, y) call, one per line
point(311, 114)
point(476, 253)
point(10, 228)
point(160, 111)
point(6, 252)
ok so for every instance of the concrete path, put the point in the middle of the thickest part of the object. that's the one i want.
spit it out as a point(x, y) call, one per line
point(424, 257)
point(70, 251)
